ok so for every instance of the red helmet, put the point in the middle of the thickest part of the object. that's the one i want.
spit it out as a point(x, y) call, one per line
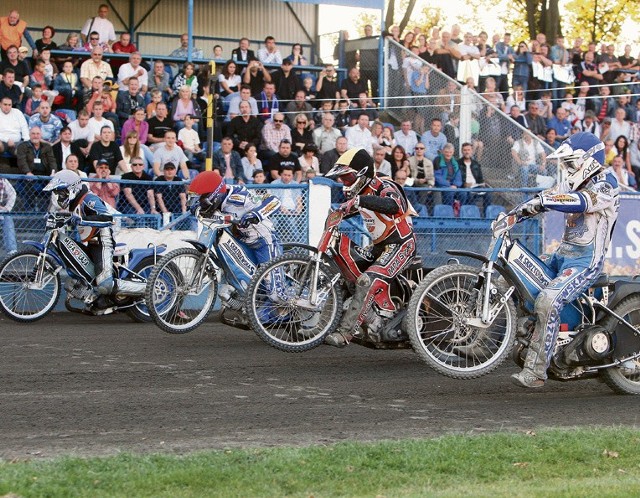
point(211, 188)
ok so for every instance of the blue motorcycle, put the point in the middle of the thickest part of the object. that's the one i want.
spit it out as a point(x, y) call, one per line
point(31, 279)
point(464, 321)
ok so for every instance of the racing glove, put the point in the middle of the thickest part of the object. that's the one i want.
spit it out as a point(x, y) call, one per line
point(247, 219)
point(350, 205)
point(530, 208)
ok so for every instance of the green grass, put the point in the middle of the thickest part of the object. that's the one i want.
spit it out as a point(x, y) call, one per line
point(584, 462)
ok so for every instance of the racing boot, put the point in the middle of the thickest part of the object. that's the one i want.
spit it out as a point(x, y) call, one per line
point(129, 288)
point(534, 372)
point(349, 324)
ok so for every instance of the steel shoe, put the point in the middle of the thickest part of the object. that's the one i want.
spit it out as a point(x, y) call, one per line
point(527, 379)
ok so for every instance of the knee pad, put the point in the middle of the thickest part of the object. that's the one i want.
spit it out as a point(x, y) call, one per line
point(105, 287)
point(364, 281)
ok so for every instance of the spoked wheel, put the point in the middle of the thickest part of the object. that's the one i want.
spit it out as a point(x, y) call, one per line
point(139, 312)
point(278, 303)
point(626, 378)
point(28, 291)
point(438, 328)
point(181, 290)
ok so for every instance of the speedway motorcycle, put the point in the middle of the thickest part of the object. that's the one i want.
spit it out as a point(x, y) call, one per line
point(31, 279)
point(294, 301)
point(182, 289)
point(464, 321)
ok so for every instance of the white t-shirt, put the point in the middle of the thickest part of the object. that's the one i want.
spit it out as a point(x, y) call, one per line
point(104, 27)
point(189, 138)
point(527, 151)
point(96, 126)
point(77, 132)
point(126, 71)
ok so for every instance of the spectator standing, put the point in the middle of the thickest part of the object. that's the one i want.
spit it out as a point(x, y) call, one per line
point(12, 29)
point(472, 176)
point(13, 127)
point(421, 170)
point(228, 162)
point(122, 46)
point(7, 201)
point(270, 54)
point(327, 85)
point(522, 67)
point(255, 76)
point(138, 198)
point(506, 56)
point(101, 25)
point(170, 195)
point(107, 191)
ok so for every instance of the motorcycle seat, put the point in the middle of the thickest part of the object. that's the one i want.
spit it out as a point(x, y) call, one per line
point(603, 281)
point(121, 249)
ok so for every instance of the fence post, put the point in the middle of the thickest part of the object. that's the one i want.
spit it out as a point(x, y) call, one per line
point(319, 204)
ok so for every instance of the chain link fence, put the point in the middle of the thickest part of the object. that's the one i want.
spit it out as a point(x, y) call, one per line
point(27, 213)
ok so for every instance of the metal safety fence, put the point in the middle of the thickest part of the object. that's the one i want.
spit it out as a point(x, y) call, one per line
point(510, 155)
point(24, 206)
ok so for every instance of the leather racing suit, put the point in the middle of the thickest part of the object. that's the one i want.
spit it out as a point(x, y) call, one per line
point(590, 216)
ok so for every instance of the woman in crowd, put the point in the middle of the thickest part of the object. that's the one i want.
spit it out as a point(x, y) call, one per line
point(399, 161)
point(46, 42)
point(250, 162)
point(138, 124)
point(517, 99)
point(308, 160)
point(228, 79)
point(521, 67)
point(301, 134)
point(185, 104)
point(622, 147)
point(72, 44)
point(131, 149)
point(387, 142)
point(72, 163)
point(297, 56)
point(492, 94)
point(187, 78)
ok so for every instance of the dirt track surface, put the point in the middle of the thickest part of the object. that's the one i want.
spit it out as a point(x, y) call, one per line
point(96, 386)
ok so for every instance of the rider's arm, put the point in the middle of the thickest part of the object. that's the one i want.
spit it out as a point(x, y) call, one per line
point(94, 214)
point(597, 196)
point(384, 205)
point(262, 206)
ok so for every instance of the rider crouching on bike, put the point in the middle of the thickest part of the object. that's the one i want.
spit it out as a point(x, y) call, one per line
point(385, 211)
point(589, 198)
point(94, 223)
point(252, 210)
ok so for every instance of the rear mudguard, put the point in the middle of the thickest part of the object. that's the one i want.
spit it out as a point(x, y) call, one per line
point(137, 255)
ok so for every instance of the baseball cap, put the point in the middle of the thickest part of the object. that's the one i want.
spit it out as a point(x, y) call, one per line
point(23, 50)
point(169, 166)
point(102, 161)
point(287, 62)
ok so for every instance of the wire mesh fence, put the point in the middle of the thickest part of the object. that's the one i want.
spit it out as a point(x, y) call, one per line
point(29, 206)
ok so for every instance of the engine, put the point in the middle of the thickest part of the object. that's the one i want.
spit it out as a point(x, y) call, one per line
point(589, 347)
point(80, 290)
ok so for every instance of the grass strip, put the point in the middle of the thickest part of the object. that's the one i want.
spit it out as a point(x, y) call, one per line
point(581, 462)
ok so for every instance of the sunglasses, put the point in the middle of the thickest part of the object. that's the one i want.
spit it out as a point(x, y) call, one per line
point(94, 39)
point(278, 120)
point(419, 148)
point(137, 164)
point(301, 122)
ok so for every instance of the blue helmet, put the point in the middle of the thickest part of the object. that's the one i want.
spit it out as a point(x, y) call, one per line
point(582, 156)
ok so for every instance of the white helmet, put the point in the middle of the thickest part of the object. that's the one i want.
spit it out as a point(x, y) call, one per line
point(582, 156)
point(65, 185)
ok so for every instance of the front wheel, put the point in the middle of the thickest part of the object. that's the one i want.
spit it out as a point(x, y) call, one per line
point(181, 290)
point(28, 290)
point(437, 323)
point(278, 303)
point(626, 378)
point(139, 312)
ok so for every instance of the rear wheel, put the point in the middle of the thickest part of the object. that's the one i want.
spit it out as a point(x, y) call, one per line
point(26, 294)
point(181, 290)
point(626, 378)
point(438, 328)
point(278, 304)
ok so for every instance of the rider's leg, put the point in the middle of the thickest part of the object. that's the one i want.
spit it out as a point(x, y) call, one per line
point(373, 285)
point(565, 288)
point(102, 255)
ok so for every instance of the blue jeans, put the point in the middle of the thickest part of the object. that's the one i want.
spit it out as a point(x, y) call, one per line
point(9, 233)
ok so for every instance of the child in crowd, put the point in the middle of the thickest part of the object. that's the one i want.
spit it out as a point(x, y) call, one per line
point(67, 84)
point(610, 152)
point(33, 102)
point(156, 98)
point(326, 106)
point(38, 77)
point(50, 69)
point(343, 117)
point(191, 141)
point(545, 105)
point(259, 176)
point(309, 88)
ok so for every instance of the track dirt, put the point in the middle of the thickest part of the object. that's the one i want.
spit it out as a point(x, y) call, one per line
point(75, 385)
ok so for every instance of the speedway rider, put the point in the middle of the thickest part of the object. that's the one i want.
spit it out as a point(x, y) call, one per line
point(251, 210)
point(385, 211)
point(589, 198)
point(94, 224)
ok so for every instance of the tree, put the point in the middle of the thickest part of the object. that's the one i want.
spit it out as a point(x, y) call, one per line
point(600, 19)
point(394, 9)
point(530, 17)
